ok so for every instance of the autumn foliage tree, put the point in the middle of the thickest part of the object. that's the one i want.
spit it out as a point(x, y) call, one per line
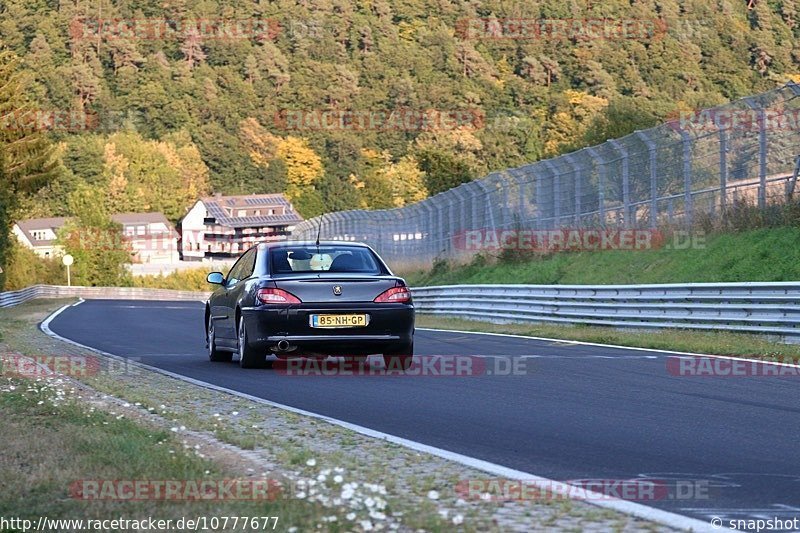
point(26, 156)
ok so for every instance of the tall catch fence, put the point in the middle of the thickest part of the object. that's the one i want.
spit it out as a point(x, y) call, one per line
point(673, 175)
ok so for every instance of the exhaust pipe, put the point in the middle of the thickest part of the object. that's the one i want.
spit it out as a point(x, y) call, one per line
point(283, 345)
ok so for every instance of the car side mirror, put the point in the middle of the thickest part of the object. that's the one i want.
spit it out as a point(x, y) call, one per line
point(216, 278)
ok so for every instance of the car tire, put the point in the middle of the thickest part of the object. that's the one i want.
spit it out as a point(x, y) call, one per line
point(399, 359)
point(248, 357)
point(214, 355)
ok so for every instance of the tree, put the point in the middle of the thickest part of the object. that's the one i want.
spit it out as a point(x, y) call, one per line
point(142, 175)
point(94, 241)
point(260, 144)
point(303, 166)
point(552, 69)
point(574, 112)
point(623, 115)
point(25, 268)
point(192, 48)
point(443, 170)
point(26, 156)
point(407, 181)
point(533, 69)
point(252, 70)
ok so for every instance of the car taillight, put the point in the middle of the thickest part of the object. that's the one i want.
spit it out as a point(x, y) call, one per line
point(394, 295)
point(276, 296)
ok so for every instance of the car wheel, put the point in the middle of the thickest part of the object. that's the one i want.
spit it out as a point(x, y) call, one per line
point(248, 358)
point(215, 355)
point(400, 359)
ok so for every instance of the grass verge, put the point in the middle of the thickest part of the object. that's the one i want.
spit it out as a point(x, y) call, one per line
point(53, 442)
point(770, 254)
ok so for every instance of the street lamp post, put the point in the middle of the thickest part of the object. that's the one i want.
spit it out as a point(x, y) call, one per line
point(68, 260)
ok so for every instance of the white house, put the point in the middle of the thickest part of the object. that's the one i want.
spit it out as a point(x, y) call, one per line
point(150, 236)
point(219, 227)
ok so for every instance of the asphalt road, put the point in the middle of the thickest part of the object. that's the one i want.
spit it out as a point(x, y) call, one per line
point(578, 411)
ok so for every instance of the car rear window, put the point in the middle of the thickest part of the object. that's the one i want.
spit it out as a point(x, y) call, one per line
point(299, 259)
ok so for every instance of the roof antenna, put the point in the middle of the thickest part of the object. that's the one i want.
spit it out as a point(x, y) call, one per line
point(319, 230)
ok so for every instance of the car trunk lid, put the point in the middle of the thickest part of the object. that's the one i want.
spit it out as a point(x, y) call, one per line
point(330, 288)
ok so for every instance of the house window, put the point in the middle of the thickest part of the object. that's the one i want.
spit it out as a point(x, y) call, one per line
point(242, 213)
point(258, 212)
point(271, 211)
point(140, 230)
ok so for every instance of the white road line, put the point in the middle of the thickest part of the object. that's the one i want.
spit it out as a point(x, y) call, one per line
point(585, 343)
point(600, 500)
point(184, 307)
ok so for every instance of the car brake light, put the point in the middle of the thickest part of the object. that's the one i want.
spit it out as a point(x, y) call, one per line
point(394, 295)
point(276, 296)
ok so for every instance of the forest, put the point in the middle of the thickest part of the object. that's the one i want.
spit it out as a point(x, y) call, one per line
point(145, 105)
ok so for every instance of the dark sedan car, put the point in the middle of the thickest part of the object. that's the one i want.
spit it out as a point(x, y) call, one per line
point(310, 300)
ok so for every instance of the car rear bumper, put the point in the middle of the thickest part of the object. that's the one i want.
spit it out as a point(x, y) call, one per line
point(390, 328)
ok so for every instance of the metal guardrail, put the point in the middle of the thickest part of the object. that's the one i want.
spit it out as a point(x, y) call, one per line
point(753, 307)
point(766, 308)
point(12, 298)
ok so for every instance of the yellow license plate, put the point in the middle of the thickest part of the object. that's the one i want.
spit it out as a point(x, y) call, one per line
point(339, 321)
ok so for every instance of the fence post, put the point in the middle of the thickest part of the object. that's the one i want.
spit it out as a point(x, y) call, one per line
point(570, 158)
point(688, 204)
point(626, 188)
point(762, 152)
point(537, 184)
point(487, 204)
point(723, 171)
point(651, 149)
point(506, 211)
point(556, 193)
point(601, 185)
point(431, 230)
point(544, 206)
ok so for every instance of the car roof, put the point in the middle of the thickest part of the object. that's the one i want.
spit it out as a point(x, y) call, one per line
point(284, 244)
